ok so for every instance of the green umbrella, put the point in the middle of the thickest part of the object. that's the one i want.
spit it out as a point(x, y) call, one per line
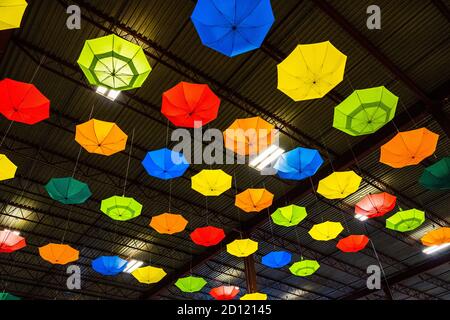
point(68, 190)
point(406, 220)
point(8, 296)
point(121, 208)
point(365, 111)
point(190, 284)
point(289, 216)
point(437, 176)
point(114, 63)
point(304, 268)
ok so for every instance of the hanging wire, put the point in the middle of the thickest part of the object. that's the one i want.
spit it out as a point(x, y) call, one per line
point(381, 267)
point(128, 163)
point(298, 243)
point(170, 195)
point(237, 209)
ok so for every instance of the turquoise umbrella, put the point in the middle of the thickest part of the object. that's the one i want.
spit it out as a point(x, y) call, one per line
point(68, 190)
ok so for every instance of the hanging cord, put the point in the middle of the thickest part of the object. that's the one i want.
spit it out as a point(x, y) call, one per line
point(6, 132)
point(167, 133)
point(128, 164)
point(170, 195)
point(381, 267)
point(207, 210)
point(237, 209)
point(269, 218)
point(298, 243)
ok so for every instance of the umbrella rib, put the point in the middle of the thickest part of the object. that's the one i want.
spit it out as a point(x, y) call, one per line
point(95, 56)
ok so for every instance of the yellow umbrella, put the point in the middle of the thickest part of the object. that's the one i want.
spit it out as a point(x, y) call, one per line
point(325, 231)
point(11, 13)
point(7, 168)
point(211, 182)
point(254, 296)
point(254, 200)
point(339, 185)
point(242, 248)
point(149, 274)
point(311, 71)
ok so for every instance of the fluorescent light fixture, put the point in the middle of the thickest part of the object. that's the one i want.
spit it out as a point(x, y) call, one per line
point(102, 90)
point(361, 217)
point(113, 94)
point(17, 233)
point(132, 265)
point(108, 93)
point(266, 157)
point(433, 249)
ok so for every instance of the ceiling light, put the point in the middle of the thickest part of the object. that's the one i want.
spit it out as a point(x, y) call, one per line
point(361, 217)
point(433, 249)
point(17, 233)
point(132, 265)
point(266, 157)
point(108, 93)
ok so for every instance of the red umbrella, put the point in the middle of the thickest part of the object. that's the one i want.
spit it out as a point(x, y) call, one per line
point(189, 102)
point(353, 243)
point(375, 205)
point(23, 102)
point(11, 241)
point(207, 236)
point(224, 292)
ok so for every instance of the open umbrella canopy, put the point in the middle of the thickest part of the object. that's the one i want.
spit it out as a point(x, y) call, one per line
point(311, 71)
point(190, 105)
point(276, 259)
point(11, 13)
point(58, 253)
point(232, 27)
point(109, 265)
point(365, 111)
point(298, 164)
point(8, 296)
point(121, 208)
point(165, 164)
point(409, 148)
point(254, 296)
point(114, 63)
point(339, 185)
point(7, 168)
point(289, 216)
point(325, 231)
point(304, 268)
point(406, 220)
point(11, 241)
point(211, 182)
point(101, 137)
point(437, 176)
point(168, 223)
point(254, 200)
point(190, 284)
point(242, 247)
point(23, 102)
point(149, 274)
point(436, 237)
point(224, 292)
point(376, 205)
point(68, 190)
point(207, 236)
point(352, 243)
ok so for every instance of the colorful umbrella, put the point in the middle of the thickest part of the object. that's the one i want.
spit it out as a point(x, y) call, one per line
point(7, 168)
point(339, 185)
point(109, 265)
point(8, 296)
point(276, 259)
point(437, 176)
point(406, 220)
point(353, 243)
point(121, 208)
point(114, 63)
point(232, 27)
point(298, 164)
point(365, 111)
point(168, 223)
point(101, 137)
point(190, 105)
point(436, 237)
point(304, 268)
point(211, 182)
point(23, 102)
point(289, 216)
point(207, 236)
point(409, 148)
point(249, 136)
point(311, 71)
point(375, 205)
point(254, 200)
point(68, 190)
point(242, 247)
point(190, 284)
point(325, 231)
point(254, 296)
point(224, 292)
point(11, 13)
point(149, 274)
point(58, 253)
point(165, 164)
point(11, 241)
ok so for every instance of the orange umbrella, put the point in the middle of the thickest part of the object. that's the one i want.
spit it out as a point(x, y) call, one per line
point(436, 237)
point(168, 223)
point(254, 200)
point(58, 253)
point(409, 148)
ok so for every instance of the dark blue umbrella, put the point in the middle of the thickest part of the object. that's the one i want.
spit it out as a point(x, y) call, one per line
point(277, 259)
point(109, 265)
point(165, 164)
point(232, 27)
point(298, 164)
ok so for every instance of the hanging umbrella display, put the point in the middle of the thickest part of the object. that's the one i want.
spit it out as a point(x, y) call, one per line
point(325, 231)
point(58, 253)
point(276, 259)
point(207, 236)
point(190, 105)
point(375, 205)
point(149, 274)
point(298, 164)
point(365, 111)
point(109, 265)
point(254, 296)
point(8, 296)
point(249, 136)
point(190, 284)
point(68, 190)
point(406, 220)
point(224, 292)
point(254, 200)
point(304, 268)
point(437, 176)
point(242, 247)
point(7, 168)
point(114, 63)
point(409, 148)
point(436, 237)
point(165, 164)
point(121, 208)
point(23, 102)
point(168, 223)
point(339, 185)
point(232, 27)
point(311, 71)
point(11, 241)
point(11, 14)
point(211, 182)
point(353, 243)
point(289, 216)
point(101, 137)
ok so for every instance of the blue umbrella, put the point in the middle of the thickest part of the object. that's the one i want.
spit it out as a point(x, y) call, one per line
point(165, 164)
point(233, 27)
point(68, 190)
point(109, 265)
point(277, 259)
point(298, 164)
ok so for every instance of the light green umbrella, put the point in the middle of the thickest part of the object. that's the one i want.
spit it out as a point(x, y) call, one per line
point(190, 284)
point(289, 216)
point(406, 220)
point(114, 63)
point(304, 268)
point(121, 208)
point(365, 111)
